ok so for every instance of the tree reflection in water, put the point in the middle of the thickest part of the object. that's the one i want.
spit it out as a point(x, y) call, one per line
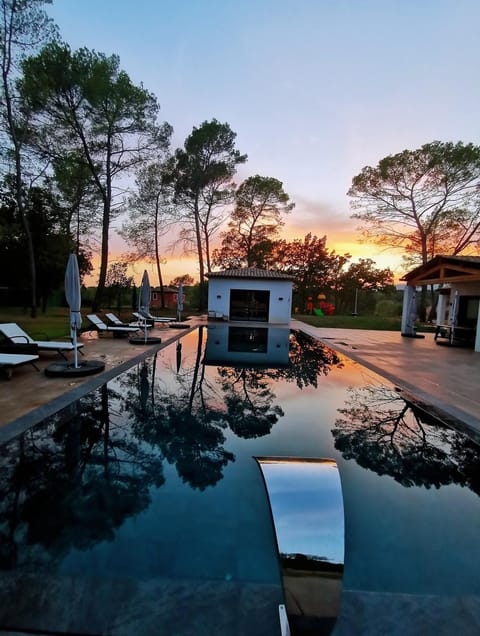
point(389, 435)
point(248, 399)
point(309, 360)
point(71, 482)
point(185, 424)
point(248, 390)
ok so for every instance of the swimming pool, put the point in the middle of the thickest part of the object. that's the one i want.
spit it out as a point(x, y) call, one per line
point(140, 510)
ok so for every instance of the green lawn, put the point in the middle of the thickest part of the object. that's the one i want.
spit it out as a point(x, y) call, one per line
point(49, 325)
point(381, 323)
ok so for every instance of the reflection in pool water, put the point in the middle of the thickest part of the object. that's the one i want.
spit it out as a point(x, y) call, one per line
point(142, 500)
point(251, 346)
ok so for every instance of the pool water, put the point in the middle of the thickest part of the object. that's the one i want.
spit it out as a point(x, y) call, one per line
point(141, 510)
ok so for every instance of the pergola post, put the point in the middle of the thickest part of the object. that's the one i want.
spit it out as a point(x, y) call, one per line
point(409, 311)
point(443, 298)
point(477, 336)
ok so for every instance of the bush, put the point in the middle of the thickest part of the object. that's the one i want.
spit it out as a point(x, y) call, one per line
point(388, 308)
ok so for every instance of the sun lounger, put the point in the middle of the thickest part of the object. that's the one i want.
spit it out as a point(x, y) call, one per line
point(103, 327)
point(116, 322)
point(14, 334)
point(8, 361)
point(151, 318)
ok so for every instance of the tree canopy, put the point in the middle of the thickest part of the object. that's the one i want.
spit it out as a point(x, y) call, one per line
point(425, 201)
point(254, 223)
point(203, 181)
point(85, 103)
point(24, 27)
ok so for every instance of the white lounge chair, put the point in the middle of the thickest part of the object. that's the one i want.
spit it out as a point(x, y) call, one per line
point(15, 334)
point(10, 360)
point(151, 318)
point(103, 327)
point(116, 322)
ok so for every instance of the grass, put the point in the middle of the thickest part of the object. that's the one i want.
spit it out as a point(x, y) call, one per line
point(376, 323)
point(53, 324)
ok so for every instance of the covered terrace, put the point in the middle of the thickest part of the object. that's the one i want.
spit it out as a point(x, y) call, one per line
point(458, 308)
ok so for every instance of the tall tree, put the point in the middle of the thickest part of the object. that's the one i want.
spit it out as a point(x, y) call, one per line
point(425, 201)
point(362, 276)
point(85, 103)
point(52, 243)
point(314, 267)
point(255, 222)
point(150, 215)
point(24, 26)
point(118, 282)
point(203, 175)
point(76, 189)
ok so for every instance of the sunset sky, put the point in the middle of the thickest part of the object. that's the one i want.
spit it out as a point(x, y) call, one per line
point(314, 89)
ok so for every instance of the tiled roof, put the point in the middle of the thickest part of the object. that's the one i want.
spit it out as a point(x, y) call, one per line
point(251, 272)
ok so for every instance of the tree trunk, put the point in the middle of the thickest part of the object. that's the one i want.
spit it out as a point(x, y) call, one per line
point(107, 202)
point(97, 301)
point(201, 268)
point(31, 257)
point(157, 259)
point(19, 198)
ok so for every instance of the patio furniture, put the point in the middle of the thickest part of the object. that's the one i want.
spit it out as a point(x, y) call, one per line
point(152, 319)
point(102, 327)
point(15, 335)
point(116, 322)
point(8, 361)
point(455, 335)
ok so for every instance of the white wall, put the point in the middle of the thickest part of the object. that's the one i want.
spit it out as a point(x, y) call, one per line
point(280, 308)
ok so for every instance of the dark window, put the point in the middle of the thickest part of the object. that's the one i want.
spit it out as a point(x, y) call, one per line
point(248, 339)
point(468, 311)
point(249, 304)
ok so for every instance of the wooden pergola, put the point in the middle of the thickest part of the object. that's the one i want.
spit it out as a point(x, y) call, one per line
point(460, 275)
point(445, 269)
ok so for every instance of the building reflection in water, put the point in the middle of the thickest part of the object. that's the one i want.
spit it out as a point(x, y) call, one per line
point(252, 346)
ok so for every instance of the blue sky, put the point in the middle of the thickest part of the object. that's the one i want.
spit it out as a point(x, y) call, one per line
point(314, 89)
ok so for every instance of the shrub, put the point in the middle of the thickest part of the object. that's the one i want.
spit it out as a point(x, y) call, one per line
point(388, 308)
